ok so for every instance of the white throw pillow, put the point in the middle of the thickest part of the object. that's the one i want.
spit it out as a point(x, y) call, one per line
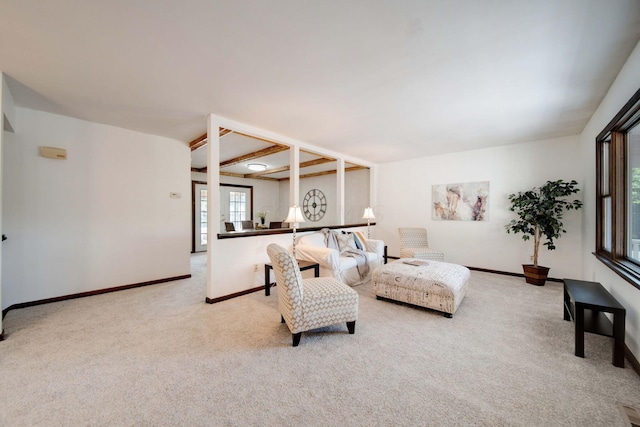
point(346, 242)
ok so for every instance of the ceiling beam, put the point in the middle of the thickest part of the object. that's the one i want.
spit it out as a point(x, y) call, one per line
point(239, 175)
point(310, 175)
point(198, 142)
point(286, 168)
point(202, 139)
point(262, 139)
point(254, 155)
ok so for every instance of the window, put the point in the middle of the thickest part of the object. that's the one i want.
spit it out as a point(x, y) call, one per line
point(237, 208)
point(618, 193)
point(203, 217)
point(236, 205)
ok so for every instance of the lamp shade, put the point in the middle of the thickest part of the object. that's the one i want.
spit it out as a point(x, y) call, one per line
point(368, 214)
point(295, 215)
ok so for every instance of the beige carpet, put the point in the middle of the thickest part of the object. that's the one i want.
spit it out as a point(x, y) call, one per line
point(160, 356)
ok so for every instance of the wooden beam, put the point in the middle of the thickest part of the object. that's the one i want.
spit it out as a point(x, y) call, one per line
point(198, 142)
point(254, 155)
point(239, 175)
point(202, 139)
point(310, 175)
point(263, 140)
point(288, 167)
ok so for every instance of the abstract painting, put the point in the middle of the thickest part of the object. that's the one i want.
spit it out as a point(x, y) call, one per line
point(467, 201)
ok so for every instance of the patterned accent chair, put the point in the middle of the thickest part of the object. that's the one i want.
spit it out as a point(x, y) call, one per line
point(414, 244)
point(307, 304)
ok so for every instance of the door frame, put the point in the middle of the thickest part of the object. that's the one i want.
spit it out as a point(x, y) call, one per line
point(193, 208)
point(250, 188)
point(193, 214)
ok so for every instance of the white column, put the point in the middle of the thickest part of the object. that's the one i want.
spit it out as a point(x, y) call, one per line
point(340, 192)
point(373, 195)
point(213, 200)
point(373, 188)
point(294, 181)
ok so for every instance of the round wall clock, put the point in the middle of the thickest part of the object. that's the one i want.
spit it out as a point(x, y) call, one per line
point(314, 205)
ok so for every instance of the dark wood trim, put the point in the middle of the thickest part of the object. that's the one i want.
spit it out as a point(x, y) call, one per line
point(613, 139)
point(487, 270)
point(265, 232)
point(507, 273)
point(2, 335)
point(624, 116)
point(619, 207)
point(91, 293)
point(250, 187)
point(628, 270)
point(632, 359)
point(230, 296)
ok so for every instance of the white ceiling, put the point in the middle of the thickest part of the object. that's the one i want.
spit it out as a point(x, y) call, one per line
point(379, 80)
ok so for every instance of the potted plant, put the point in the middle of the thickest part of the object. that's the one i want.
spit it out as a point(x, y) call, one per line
point(262, 216)
point(540, 213)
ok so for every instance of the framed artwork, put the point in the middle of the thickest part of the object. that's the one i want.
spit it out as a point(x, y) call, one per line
point(467, 201)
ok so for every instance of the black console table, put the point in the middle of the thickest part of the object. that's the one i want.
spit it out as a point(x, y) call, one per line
point(304, 265)
point(586, 303)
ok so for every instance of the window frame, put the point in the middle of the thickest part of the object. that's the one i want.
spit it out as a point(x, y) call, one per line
point(614, 138)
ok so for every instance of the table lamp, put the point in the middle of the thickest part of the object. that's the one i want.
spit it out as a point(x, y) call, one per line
point(368, 215)
point(295, 216)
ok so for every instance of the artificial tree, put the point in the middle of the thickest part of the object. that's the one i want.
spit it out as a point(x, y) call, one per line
point(540, 213)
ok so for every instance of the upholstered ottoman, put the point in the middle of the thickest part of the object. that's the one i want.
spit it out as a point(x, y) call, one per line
point(436, 285)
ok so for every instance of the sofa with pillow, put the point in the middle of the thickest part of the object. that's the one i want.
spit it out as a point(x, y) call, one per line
point(347, 256)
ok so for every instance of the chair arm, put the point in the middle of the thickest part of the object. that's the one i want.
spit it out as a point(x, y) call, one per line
point(376, 246)
point(327, 258)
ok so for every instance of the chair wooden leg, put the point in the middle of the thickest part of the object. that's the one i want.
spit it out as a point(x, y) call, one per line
point(296, 338)
point(281, 318)
point(352, 327)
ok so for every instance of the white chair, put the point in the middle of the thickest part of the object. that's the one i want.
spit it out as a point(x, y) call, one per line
point(307, 304)
point(415, 244)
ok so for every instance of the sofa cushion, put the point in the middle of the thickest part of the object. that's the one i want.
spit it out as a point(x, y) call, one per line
point(313, 239)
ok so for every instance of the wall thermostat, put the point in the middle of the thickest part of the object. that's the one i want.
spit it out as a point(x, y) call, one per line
point(53, 153)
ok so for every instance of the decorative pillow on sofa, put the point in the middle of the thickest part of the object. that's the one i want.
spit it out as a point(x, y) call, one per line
point(346, 241)
point(357, 239)
point(358, 236)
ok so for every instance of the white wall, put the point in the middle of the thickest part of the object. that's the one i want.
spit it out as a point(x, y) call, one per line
point(625, 85)
point(356, 199)
point(102, 218)
point(404, 200)
point(356, 196)
point(327, 184)
point(7, 117)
